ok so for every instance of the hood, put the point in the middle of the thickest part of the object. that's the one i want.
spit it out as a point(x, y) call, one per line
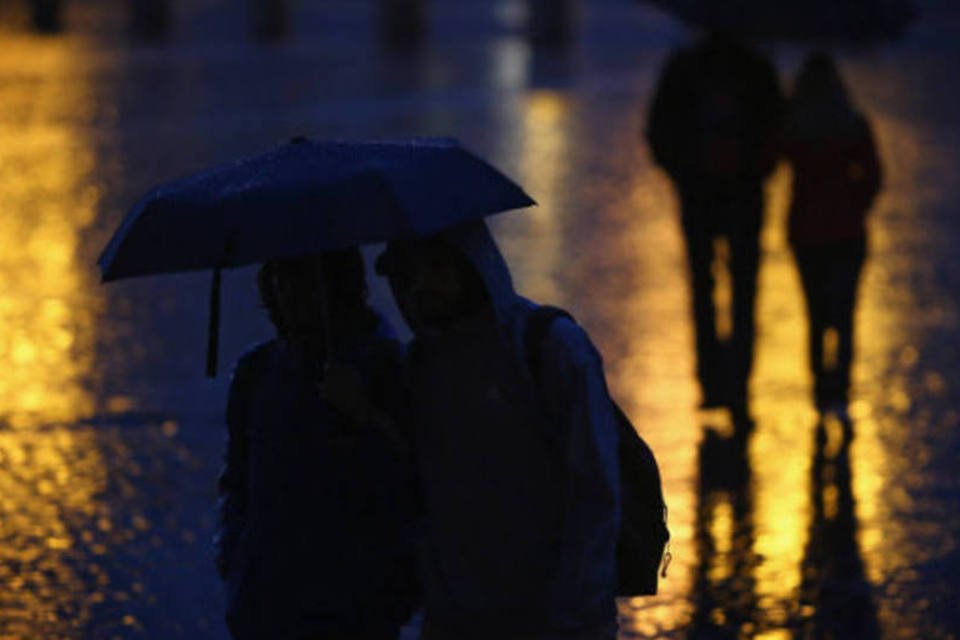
point(474, 240)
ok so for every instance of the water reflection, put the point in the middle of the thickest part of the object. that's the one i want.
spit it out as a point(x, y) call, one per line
point(48, 482)
point(534, 237)
point(835, 595)
point(779, 449)
point(49, 475)
point(46, 304)
point(725, 584)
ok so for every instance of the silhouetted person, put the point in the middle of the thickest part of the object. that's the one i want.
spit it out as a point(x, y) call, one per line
point(150, 19)
point(46, 15)
point(519, 480)
point(713, 128)
point(315, 534)
point(725, 583)
point(836, 176)
point(835, 588)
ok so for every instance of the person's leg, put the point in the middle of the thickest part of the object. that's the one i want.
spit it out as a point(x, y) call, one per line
point(810, 267)
point(848, 265)
point(700, 253)
point(744, 238)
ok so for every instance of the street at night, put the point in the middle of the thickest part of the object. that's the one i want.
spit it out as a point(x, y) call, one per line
point(111, 436)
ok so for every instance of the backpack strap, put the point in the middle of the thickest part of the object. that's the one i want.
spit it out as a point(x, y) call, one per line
point(535, 332)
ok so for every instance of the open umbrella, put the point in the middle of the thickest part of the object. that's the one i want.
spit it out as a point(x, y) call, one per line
point(300, 199)
point(798, 20)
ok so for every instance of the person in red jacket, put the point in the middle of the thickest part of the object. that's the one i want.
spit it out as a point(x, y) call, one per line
point(836, 176)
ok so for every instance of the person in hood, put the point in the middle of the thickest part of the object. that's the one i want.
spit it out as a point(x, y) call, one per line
point(714, 128)
point(518, 470)
point(836, 177)
point(316, 512)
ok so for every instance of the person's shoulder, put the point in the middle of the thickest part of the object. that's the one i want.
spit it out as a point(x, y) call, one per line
point(255, 357)
point(566, 339)
point(566, 330)
point(246, 374)
point(861, 122)
point(681, 61)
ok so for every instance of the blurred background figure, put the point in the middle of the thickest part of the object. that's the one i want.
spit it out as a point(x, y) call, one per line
point(713, 128)
point(46, 15)
point(836, 176)
point(150, 19)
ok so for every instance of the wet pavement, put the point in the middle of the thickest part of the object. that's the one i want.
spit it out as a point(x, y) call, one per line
point(110, 436)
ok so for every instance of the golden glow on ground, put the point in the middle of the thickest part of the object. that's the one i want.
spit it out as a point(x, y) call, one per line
point(49, 475)
point(544, 121)
point(46, 310)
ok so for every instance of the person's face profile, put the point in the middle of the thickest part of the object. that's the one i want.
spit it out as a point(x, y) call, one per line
point(299, 295)
point(427, 289)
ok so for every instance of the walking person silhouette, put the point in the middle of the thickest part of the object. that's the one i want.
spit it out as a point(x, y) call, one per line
point(836, 176)
point(713, 128)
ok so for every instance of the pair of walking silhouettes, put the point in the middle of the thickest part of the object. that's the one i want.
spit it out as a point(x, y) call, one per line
point(718, 125)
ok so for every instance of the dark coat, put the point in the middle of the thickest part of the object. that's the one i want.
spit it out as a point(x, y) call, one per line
point(713, 124)
point(316, 512)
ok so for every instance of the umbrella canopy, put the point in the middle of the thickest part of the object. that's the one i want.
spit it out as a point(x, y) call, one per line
point(798, 20)
point(303, 198)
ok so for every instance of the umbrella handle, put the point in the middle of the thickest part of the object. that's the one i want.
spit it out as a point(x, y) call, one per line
point(328, 341)
point(213, 332)
point(213, 335)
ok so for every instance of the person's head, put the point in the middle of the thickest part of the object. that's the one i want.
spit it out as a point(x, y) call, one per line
point(294, 292)
point(433, 283)
point(722, 39)
point(819, 80)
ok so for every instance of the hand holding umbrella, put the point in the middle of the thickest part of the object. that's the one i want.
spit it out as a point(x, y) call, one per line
point(342, 387)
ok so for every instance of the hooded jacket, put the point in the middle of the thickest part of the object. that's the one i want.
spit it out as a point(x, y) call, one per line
point(519, 480)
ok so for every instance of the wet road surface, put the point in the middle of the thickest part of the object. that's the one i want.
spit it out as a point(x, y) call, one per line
point(110, 437)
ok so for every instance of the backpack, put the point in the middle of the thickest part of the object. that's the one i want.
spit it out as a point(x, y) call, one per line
point(642, 545)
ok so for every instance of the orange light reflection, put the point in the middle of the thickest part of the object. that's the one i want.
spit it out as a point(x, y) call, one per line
point(544, 150)
point(50, 472)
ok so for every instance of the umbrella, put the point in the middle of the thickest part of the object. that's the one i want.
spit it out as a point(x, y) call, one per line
point(300, 199)
point(798, 20)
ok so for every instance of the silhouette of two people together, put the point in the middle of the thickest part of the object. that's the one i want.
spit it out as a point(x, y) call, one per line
point(718, 126)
